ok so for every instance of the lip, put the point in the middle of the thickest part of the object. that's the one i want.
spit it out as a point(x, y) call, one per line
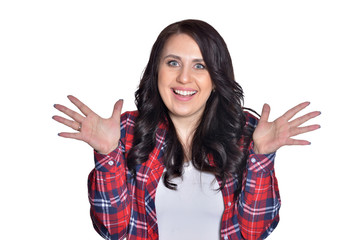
point(183, 97)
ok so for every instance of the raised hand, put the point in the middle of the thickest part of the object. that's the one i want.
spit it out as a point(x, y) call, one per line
point(270, 136)
point(101, 134)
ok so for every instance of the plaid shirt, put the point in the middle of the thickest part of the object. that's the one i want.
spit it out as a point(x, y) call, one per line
point(123, 207)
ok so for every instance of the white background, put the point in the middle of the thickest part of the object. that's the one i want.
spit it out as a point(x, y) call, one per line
point(284, 52)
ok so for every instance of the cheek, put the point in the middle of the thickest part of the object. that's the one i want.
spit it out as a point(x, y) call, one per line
point(207, 84)
point(164, 79)
point(162, 87)
point(161, 78)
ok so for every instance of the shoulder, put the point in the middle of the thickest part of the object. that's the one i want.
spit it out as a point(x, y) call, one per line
point(129, 117)
point(127, 127)
point(127, 122)
point(251, 119)
point(130, 114)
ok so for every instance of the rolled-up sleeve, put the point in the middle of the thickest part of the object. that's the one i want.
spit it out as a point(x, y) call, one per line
point(260, 200)
point(108, 193)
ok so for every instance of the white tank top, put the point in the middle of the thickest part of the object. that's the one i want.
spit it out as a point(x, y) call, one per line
point(193, 211)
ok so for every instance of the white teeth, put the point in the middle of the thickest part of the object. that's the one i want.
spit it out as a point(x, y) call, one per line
point(184, 93)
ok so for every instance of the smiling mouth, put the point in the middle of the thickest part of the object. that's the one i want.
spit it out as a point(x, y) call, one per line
point(184, 93)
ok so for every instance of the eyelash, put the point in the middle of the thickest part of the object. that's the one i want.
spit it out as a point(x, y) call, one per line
point(171, 64)
point(202, 66)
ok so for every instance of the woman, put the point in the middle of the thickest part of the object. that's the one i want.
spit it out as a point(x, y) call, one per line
point(158, 169)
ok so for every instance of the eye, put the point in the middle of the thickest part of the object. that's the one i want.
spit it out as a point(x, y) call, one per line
point(173, 63)
point(199, 66)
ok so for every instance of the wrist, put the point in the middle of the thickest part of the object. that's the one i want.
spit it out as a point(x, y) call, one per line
point(255, 149)
point(107, 151)
point(260, 150)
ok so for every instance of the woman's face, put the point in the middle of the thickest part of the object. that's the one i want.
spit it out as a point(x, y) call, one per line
point(184, 82)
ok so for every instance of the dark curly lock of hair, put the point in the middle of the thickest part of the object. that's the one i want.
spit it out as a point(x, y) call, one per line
point(222, 127)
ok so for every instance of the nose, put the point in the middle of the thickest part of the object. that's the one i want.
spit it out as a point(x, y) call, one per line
point(185, 75)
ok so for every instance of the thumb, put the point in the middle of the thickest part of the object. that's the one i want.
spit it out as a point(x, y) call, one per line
point(265, 113)
point(117, 111)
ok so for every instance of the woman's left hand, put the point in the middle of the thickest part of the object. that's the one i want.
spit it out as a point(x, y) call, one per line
point(268, 137)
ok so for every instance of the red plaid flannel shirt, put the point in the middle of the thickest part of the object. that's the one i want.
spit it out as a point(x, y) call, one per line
point(123, 207)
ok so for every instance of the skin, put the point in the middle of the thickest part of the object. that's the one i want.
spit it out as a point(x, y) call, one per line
point(182, 68)
point(270, 136)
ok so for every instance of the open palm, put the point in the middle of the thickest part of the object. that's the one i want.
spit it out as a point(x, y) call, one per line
point(270, 136)
point(100, 133)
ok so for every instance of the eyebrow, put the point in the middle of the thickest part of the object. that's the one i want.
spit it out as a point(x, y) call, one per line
point(179, 58)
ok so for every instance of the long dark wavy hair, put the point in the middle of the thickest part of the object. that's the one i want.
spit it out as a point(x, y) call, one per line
point(222, 132)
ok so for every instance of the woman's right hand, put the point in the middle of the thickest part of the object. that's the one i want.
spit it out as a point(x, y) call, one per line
point(101, 134)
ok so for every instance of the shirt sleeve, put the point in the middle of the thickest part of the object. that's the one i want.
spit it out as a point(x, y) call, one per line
point(260, 200)
point(108, 194)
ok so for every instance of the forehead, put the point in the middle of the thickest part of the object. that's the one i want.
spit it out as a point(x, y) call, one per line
point(181, 45)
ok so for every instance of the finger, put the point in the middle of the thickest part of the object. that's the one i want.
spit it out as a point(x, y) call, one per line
point(74, 115)
point(293, 111)
point(81, 106)
point(292, 141)
point(299, 121)
point(72, 124)
point(265, 113)
point(117, 111)
point(76, 136)
point(300, 130)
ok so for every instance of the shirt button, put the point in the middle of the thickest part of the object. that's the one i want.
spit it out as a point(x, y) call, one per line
point(111, 163)
point(253, 160)
point(229, 204)
point(225, 238)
